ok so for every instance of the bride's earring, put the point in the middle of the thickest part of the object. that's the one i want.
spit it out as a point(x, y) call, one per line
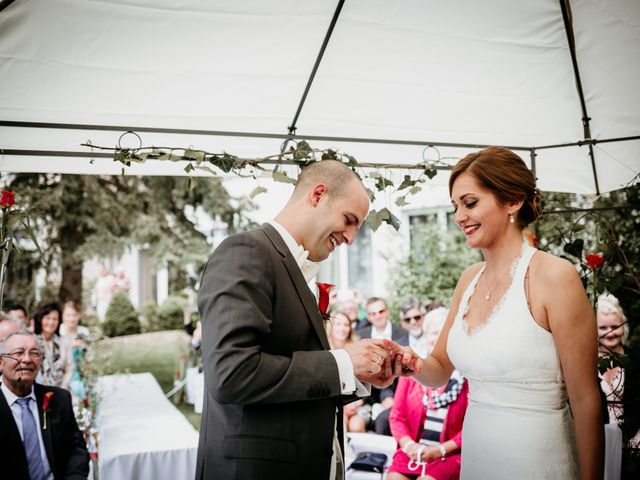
point(511, 219)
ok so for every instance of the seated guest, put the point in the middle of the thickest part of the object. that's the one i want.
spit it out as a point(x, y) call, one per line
point(427, 424)
point(76, 337)
point(40, 436)
point(380, 326)
point(340, 334)
point(19, 314)
point(613, 333)
point(57, 363)
point(412, 314)
point(340, 331)
point(7, 327)
point(381, 400)
point(71, 326)
point(351, 303)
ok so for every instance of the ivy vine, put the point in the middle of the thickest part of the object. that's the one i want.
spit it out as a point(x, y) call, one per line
point(298, 153)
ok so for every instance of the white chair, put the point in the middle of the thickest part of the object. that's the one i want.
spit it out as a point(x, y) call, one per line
point(367, 442)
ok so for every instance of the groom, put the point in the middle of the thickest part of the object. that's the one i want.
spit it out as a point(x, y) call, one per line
point(273, 390)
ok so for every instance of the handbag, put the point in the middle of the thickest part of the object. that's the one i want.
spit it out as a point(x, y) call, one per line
point(369, 462)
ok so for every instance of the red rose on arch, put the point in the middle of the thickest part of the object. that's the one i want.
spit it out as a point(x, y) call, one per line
point(7, 199)
point(594, 260)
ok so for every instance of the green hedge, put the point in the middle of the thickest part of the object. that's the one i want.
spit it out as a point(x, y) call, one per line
point(121, 318)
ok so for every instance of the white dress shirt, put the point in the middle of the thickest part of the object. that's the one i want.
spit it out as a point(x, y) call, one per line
point(384, 334)
point(17, 416)
point(348, 381)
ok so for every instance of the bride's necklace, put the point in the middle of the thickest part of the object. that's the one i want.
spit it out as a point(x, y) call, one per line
point(487, 296)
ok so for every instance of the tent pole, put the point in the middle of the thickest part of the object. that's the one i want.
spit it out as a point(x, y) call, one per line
point(533, 155)
point(568, 27)
point(4, 4)
point(334, 20)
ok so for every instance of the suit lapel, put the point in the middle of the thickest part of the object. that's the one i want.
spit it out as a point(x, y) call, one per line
point(306, 297)
point(39, 390)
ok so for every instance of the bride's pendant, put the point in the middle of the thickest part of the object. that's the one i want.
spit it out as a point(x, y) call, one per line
point(487, 296)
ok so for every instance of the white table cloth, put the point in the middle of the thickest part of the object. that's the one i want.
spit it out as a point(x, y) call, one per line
point(142, 434)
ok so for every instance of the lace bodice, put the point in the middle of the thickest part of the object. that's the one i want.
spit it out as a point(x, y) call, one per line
point(509, 347)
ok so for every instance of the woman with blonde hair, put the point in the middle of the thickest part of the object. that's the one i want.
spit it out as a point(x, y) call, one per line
point(521, 331)
point(613, 332)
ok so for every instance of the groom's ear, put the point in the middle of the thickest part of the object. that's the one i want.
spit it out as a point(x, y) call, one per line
point(317, 193)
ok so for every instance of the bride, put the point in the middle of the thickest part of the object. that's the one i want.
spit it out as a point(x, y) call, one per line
point(522, 331)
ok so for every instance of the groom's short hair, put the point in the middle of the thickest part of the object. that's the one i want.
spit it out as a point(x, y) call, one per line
point(334, 174)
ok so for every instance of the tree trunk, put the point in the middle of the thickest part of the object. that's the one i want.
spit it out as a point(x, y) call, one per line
point(71, 284)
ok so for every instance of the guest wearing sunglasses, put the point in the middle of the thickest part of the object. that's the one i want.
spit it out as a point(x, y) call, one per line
point(412, 316)
point(381, 327)
point(381, 400)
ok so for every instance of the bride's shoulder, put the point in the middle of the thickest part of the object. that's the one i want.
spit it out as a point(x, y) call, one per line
point(471, 271)
point(548, 266)
point(468, 274)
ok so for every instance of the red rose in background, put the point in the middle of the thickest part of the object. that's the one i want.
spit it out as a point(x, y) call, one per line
point(7, 199)
point(323, 298)
point(594, 260)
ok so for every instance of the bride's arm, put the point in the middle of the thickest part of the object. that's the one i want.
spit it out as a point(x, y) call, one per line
point(573, 326)
point(436, 369)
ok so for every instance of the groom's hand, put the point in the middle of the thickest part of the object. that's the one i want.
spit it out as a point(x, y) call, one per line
point(386, 375)
point(368, 357)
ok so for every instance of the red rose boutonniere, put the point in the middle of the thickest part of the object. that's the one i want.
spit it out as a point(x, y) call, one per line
point(323, 299)
point(594, 260)
point(46, 407)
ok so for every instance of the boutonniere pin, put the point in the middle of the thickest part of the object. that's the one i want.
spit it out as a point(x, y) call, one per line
point(46, 407)
point(323, 300)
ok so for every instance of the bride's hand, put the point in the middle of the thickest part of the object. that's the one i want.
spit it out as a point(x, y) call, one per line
point(409, 360)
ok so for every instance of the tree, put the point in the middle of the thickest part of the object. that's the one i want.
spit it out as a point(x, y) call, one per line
point(78, 217)
point(433, 265)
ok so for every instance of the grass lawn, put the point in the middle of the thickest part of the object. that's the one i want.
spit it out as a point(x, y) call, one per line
point(159, 353)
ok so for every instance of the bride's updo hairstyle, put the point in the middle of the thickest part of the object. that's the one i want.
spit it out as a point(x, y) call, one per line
point(504, 174)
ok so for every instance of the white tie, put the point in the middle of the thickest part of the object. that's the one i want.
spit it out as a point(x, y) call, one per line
point(308, 268)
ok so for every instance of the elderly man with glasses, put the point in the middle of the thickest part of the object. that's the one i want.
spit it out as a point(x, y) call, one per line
point(381, 400)
point(40, 436)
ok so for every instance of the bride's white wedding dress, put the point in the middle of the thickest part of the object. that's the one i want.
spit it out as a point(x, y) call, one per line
point(518, 424)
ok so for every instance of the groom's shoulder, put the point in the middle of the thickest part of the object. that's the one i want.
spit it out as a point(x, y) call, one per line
point(256, 234)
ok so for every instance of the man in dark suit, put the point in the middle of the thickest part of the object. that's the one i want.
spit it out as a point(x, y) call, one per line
point(40, 436)
point(380, 326)
point(273, 390)
point(381, 399)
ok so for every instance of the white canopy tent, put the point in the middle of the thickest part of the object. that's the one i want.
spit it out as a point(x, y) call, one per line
point(395, 77)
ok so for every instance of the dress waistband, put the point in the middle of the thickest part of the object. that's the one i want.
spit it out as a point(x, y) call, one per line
point(523, 395)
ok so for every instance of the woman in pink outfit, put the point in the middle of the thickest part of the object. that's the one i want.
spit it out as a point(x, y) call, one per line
point(427, 424)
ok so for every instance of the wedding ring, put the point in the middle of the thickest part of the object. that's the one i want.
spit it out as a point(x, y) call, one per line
point(379, 361)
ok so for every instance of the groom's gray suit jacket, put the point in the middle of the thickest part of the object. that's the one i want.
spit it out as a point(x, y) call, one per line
point(271, 386)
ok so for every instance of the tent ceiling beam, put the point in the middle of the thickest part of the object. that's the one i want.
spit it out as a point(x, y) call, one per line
point(284, 136)
point(565, 6)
